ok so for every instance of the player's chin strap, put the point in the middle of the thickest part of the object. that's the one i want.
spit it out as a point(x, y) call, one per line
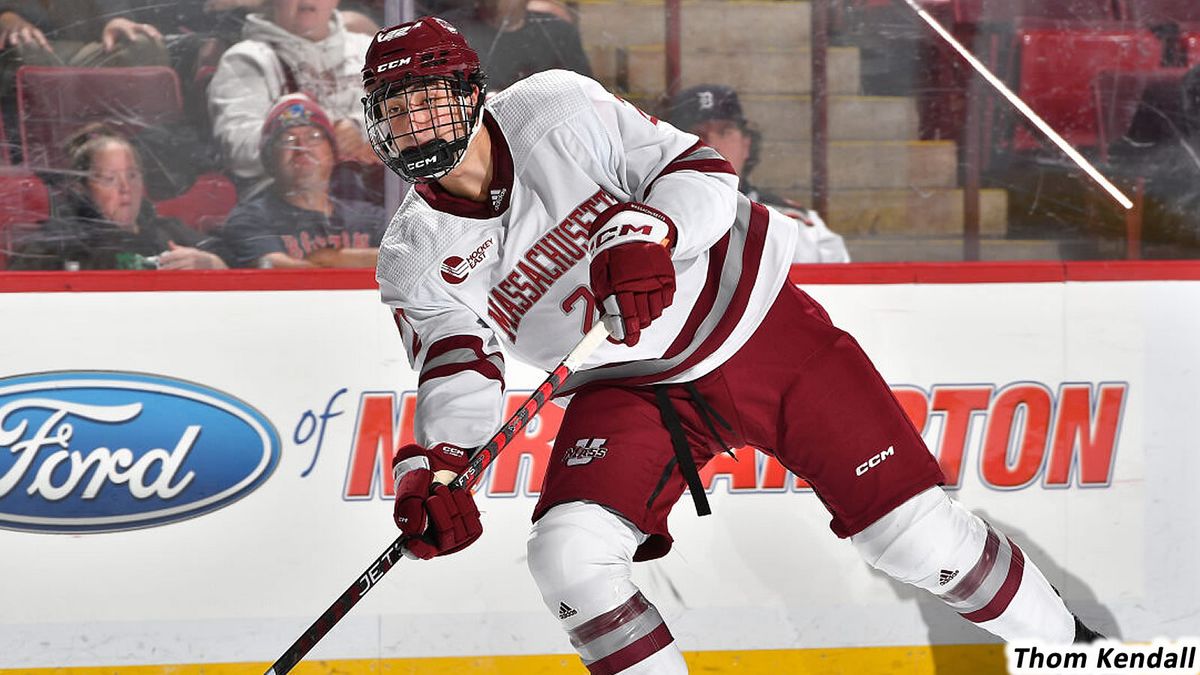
point(683, 452)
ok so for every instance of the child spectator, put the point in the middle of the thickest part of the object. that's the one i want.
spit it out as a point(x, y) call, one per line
point(295, 46)
point(103, 221)
point(296, 222)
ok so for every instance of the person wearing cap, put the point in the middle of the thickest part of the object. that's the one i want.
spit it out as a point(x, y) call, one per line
point(714, 113)
point(296, 222)
point(293, 46)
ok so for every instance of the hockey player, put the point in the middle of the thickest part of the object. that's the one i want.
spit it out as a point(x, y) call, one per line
point(539, 210)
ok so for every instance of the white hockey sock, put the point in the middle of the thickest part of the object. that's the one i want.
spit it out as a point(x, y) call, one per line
point(934, 543)
point(581, 556)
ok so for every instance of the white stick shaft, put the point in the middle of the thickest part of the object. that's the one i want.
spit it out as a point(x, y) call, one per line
point(586, 346)
point(1020, 105)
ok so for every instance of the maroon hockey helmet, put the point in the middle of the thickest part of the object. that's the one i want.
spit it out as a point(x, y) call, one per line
point(419, 80)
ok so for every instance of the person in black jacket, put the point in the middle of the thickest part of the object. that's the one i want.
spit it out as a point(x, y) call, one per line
point(514, 42)
point(102, 220)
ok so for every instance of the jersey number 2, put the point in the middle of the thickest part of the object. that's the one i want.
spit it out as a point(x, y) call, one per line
point(581, 294)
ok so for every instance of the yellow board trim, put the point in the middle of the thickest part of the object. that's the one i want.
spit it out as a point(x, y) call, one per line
point(918, 660)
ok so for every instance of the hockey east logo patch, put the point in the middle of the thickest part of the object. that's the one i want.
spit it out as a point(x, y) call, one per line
point(584, 451)
point(456, 269)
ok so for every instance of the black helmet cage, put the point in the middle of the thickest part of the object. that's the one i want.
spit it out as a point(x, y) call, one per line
point(428, 161)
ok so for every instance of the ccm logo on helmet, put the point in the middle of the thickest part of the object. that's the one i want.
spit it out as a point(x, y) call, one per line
point(874, 461)
point(399, 32)
point(394, 64)
point(421, 162)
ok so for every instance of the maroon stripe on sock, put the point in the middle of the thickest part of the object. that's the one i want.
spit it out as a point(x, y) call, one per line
point(610, 620)
point(1008, 590)
point(631, 654)
point(971, 582)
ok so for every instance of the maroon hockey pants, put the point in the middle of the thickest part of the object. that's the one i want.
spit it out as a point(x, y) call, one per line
point(800, 390)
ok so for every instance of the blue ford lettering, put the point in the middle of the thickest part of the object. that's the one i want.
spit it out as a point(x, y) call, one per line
point(106, 451)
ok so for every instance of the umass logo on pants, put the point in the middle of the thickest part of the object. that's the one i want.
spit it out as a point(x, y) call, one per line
point(106, 451)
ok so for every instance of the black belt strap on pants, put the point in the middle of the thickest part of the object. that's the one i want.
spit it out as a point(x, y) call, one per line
point(683, 453)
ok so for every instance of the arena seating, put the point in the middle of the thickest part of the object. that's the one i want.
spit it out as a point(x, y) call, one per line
point(1121, 96)
point(53, 102)
point(1191, 47)
point(24, 202)
point(204, 206)
point(1057, 67)
point(1032, 11)
point(1150, 12)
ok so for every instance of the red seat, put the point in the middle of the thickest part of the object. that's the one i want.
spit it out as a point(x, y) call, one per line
point(1191, 46)
point(5, 144)
point(205, 205)
point(1027, 11)
point(1056, 71)
point(53, 103)
point(1150, 12)
point(24, 202)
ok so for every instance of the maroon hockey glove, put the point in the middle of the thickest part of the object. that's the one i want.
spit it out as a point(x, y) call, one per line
point(436, 519)
point(632, 275)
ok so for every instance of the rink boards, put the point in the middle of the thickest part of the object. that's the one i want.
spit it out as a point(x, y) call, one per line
point(255, 412)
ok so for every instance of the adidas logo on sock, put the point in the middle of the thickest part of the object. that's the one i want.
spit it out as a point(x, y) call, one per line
point(565, 611)
point(946, 577)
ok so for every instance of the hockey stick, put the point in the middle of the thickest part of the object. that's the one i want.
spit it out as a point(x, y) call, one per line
point(479, 461)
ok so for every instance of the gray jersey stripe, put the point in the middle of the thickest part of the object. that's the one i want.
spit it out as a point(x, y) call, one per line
point(700, 153)
point(620, 636)
point(411, 464)
point(972, 579)
point(991, 583)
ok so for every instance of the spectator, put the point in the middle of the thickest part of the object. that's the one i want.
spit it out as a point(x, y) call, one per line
point(78, 33)
point(713, 112)
point(296, 222)
point(514, 41)
point(362, 16)
point(295, 46)
point(103, 221)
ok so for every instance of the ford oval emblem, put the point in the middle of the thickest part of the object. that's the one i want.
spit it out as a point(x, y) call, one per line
point(104, 451)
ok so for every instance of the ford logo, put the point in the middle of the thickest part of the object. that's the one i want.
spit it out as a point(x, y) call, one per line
point(105, 451)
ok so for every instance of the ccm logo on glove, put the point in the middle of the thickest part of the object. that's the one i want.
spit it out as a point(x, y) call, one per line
point(436, 519)
point(632, 276)
point(624, 223)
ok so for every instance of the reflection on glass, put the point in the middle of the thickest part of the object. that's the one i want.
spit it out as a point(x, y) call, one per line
point(923, 158)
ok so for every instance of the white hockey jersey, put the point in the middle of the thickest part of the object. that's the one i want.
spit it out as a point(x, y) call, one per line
point(469, 281)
